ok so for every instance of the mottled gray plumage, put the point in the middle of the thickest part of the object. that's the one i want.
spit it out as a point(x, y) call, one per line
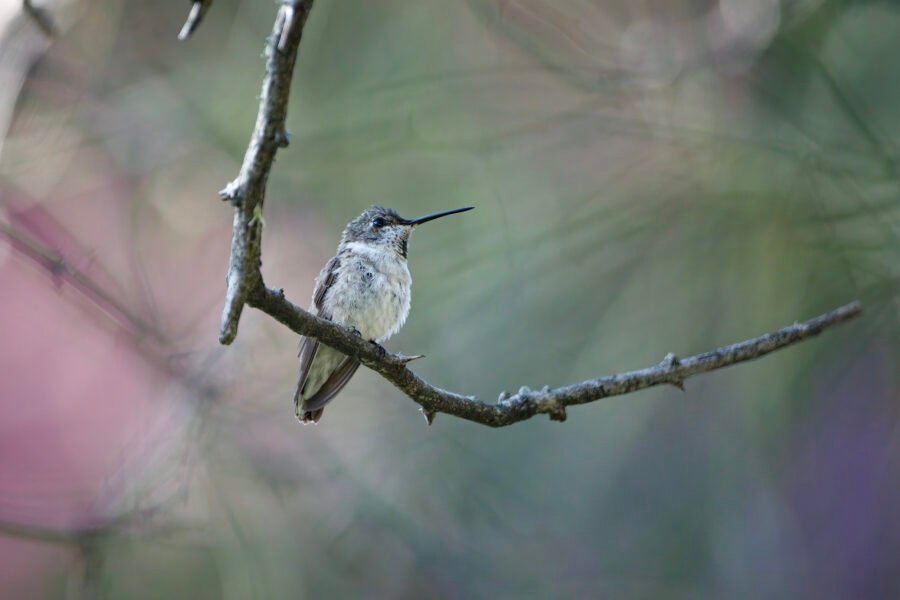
point(367, 286)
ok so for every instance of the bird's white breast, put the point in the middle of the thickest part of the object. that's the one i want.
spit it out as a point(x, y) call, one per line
point(372, 292)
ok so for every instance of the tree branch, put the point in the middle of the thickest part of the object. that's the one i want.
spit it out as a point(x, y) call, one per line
point(247, 192)
point(245, 286)
point(527, 403)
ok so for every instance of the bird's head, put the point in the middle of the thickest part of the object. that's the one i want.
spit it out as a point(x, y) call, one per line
point(383, 228)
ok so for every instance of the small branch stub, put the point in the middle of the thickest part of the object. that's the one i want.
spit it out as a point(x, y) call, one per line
point(198, 11)
point(671, 362)
point(557, 411)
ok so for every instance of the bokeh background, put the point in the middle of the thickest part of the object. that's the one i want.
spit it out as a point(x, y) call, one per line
point(650, 177)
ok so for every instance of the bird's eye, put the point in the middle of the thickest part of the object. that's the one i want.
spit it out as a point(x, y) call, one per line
point(378, 222)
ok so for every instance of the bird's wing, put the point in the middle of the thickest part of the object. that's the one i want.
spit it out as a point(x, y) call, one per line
point(324, 281)
point(334, 384)
point(309, 347)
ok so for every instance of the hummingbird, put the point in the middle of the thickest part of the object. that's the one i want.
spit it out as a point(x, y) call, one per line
point(366, 286)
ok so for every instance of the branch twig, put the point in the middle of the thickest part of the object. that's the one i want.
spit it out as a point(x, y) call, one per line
point(247, 192)
point(245, 286)
point(62, 270)
point(198, 11)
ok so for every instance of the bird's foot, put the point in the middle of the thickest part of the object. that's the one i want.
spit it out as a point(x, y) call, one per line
point(382, 352)
point(355, 331)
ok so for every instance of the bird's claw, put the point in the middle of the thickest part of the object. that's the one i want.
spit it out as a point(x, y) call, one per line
point(379, 348)
point(355, 332)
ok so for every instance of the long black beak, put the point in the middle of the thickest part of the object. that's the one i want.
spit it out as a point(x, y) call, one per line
point(421, 220)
